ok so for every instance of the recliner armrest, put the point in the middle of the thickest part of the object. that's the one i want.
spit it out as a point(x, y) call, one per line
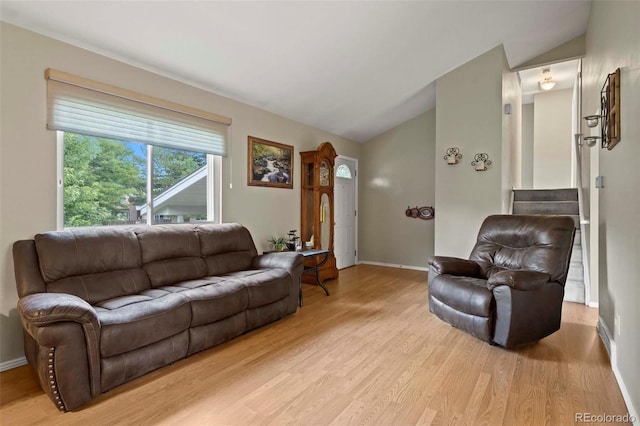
point(455, 266)
point(519, 279)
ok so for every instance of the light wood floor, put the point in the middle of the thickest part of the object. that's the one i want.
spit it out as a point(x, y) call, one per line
point(371, 353)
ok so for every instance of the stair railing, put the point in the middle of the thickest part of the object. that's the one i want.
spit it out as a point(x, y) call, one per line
point(577, 146)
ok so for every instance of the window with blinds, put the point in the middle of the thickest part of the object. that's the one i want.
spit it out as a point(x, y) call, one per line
point(127, 158)
point(87, 107)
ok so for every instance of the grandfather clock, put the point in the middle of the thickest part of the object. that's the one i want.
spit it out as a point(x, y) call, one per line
point(316, 218)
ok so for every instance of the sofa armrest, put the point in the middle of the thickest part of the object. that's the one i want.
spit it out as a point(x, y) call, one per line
point(455, 266)
point(519, 280)
point(42, 309)
point(66, 330)
point(290, 261)
point(293, 263)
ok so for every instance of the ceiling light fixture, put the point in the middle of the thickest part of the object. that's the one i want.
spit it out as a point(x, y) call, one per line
point(547, 82)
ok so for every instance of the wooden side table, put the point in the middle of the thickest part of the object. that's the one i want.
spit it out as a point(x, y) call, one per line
point(308, 254)
point(315, 268)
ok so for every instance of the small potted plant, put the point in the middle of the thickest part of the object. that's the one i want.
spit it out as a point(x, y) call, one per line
point(278, 243)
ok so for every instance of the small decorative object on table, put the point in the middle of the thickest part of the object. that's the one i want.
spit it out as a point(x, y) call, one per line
point(293, 240)
point(278, 243)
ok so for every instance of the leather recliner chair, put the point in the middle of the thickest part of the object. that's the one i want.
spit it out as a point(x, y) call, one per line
point(510, 290)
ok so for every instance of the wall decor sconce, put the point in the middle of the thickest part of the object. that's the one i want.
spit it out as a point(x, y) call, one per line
point(424, 213)
point(591, 141)
point(592, 120)
point(453, 155)
point(481, 161)
point(609, 118)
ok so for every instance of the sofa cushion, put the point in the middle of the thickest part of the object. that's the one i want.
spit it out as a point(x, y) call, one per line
point(220, 264)
point(127, 366)
point(261, 315)
point(131, 322)
point(83, 251)
point(226, 248)
point(102, 286)
point(161, 242)
point(171, 253)
point(207, 335)
point(264, 286)
point(466, 294)
point(225, 238)
point(214, 302)
point(169, 271)
point(186, 285)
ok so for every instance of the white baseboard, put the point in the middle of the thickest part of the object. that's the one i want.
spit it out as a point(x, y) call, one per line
point(605, 336)
point(593, 304)
point(393, 265)
point(13, 363)
point(633, 413)
point(610, 345)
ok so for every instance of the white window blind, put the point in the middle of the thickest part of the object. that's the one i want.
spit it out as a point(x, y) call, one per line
point(91, 108)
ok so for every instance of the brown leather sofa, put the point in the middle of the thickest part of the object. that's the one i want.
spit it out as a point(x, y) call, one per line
point(102, 306)
point(510, 290)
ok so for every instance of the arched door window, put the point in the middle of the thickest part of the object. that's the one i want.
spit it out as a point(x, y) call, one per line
point(343, 171)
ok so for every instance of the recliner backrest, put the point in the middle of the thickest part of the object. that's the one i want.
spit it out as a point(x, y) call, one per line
point(226, 247)
point(171, 253)
point(94, 264)
point(100, 263)
point(531, 242)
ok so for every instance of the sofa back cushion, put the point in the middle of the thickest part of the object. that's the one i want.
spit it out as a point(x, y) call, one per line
point(226, 247)
point(531, 242)
point(94, 264)
point(171, 253)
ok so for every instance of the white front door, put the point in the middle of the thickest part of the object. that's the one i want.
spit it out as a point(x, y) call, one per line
point(345, 212)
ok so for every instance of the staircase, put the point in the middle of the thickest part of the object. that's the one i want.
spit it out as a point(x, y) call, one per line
point(563, 202)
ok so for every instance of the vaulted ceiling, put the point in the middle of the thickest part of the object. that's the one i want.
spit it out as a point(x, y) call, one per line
point(354, 68)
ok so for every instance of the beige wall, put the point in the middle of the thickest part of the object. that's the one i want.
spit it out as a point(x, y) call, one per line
point(613, 40)
point(527, 146)
point(28, 151)
point(468, 116)
point(552, 139)
point(396, 171)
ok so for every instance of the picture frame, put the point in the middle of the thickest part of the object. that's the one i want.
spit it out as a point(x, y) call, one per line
point(610, 110)
point(269, 163)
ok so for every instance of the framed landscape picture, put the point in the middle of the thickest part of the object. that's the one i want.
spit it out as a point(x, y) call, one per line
point(270, 163)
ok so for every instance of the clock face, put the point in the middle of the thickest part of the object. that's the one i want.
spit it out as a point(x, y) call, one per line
point(324, 174)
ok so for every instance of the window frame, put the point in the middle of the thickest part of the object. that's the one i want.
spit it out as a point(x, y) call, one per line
point(213, 192)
